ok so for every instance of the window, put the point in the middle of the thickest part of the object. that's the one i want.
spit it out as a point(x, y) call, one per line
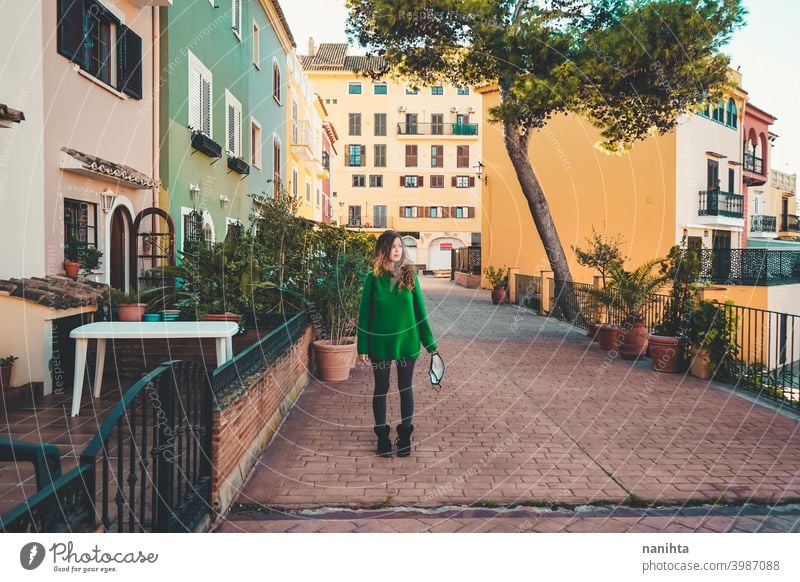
point(295, 186)
point(276, 81)
point(318, 199)
point(412, 90)
point(409, 211)
point(380, 124)
point(208, 235)
point(732, 181)
point(256, 46)
point(354, 215)
point(379, 216)
point(200, 91)
point(354, 123)
point(437, 124)
point(463, 181)
point(308, 192)
point(376, 181)
point(437, 181)
point(705, 111)
point(354, 88)
point(463, 91)
point(463, 212)
point(359, 180)
point(276, 167)
point(436, 212)
point(462, 119)
point(411, 156)
point(295, 127)
point(255, 143)
point(437, 157)
point(411, 181)
point(356, 155)
point(93, 38)
point(380, 88)
point(233, 125)
point(462, 156)
point(731, 120)
point(236, 18)
point(380, 155)
point(719, 113)
point(80, 230)
point(411, 124)
point(437, 90)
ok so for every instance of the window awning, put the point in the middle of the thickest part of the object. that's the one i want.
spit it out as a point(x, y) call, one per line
point(92, 166)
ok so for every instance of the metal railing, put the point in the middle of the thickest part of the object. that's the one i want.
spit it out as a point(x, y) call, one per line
point(465, 260)
point(763, 223)
point(790, 223)
point(719, 203)
point(749, 266)
point(528, 291)
point(148, 468)
point(753, 164)
point(425, 128)
point(234, 376)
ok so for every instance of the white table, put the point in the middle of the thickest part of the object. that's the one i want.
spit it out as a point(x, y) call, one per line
point(221, 331)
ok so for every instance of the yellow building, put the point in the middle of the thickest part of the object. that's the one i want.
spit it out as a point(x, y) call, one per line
point(783, 196)
point(407, 155)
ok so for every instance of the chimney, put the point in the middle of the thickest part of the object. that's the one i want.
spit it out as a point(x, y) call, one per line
point(312, 50)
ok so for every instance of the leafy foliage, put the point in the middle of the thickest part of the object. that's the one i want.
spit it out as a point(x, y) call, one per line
point(682, 269)
point(631, 291)
point(498, 277)
point(601, 254)
point(714, 326)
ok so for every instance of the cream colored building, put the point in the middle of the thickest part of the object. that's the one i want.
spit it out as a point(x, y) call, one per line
point(407, 156)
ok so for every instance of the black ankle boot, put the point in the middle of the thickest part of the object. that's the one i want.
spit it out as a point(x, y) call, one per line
point(403, 441)
point(384, 442)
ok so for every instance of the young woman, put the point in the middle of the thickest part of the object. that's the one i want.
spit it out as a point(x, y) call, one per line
point(392, 321)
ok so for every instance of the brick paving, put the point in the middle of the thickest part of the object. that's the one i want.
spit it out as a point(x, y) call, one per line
point(531, 412)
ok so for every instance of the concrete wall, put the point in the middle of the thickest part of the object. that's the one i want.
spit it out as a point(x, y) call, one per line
point(22, 200)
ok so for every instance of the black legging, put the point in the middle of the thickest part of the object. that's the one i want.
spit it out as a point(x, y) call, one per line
point(405, 375)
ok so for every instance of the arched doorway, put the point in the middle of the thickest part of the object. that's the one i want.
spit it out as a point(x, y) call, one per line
point(121, 262)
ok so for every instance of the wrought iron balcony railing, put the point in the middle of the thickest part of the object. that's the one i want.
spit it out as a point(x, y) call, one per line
point(763, 223)
point(750, 266)
point(790, 223)
point(718, 203)
point(753, 164)
point(437, 128)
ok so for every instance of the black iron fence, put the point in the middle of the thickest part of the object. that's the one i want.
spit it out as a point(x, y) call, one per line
point(750, 266)
point(528, 291)
point(790, 223)
point(426, 128)
point(466, 260)
point(148, 468)
point(753, 164)
point(719, 203)
point(763, 223)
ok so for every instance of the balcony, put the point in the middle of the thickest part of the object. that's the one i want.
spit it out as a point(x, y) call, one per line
point(304, 144)
point(755, 173)
point(750, 266)
point(438, 129)
point(763, 226)
point(790, 224)
point(718, 207)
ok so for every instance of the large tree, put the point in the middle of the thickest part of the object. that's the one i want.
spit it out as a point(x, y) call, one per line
point(631, 67)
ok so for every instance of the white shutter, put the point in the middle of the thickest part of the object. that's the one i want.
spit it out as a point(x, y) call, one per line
point(195, 101)
point(231, 127)
point(238, 134)
point(205, 107)
point(237, 17)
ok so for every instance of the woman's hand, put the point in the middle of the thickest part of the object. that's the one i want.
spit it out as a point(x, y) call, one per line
point(364, 358)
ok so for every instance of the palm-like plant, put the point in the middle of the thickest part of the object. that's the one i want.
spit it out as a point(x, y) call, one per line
point(631, 291)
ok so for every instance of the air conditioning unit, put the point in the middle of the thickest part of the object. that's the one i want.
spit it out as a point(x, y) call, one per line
point(454, 109)
point(401, 109)
point(471, 109)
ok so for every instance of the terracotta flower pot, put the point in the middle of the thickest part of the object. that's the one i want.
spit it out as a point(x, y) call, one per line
point(701, 363)
point(335, 362)
point(227, 316)
point(608, 335)
point(592, 331)
point(131, 311)
point(634, 341)
point(5, 376)
point(498, 295)
point(71, 268)
point(666, 353)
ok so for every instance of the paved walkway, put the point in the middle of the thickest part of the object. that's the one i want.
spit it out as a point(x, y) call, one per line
point(530, 413)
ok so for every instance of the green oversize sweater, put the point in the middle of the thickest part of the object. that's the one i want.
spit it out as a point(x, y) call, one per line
point(399, 321)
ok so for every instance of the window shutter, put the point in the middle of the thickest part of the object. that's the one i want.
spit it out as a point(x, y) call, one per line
point(72, 30)
point(446, 212)
point(402, 181)
point(196, 101)
point(420, 181)
point(471, 212)
point(363, 155)
point(231, 129)
point(453, 181)
point(238, 135)
point(402, 212)
point(205, 105)
point(129, 59)
point(471, 181)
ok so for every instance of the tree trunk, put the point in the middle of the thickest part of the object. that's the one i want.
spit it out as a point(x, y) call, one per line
point(517, 141)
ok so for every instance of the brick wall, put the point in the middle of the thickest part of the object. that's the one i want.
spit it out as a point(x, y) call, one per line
point(243, 429)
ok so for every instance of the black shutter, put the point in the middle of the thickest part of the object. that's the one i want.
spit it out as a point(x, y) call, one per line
point(71, 31)
point(129, 57)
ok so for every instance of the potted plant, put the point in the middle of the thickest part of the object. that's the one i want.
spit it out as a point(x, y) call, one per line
point(128, 305)
point(632, 291)
point(601, 254)
point(667, 344)
point(90, 259)
point(712, 339)
point(71, 267)
point(498, 279)
point(6, 365)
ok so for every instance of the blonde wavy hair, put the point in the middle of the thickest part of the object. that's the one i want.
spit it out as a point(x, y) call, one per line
point(404, 271)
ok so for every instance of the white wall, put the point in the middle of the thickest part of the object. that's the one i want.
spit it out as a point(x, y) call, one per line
point(21, 155)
